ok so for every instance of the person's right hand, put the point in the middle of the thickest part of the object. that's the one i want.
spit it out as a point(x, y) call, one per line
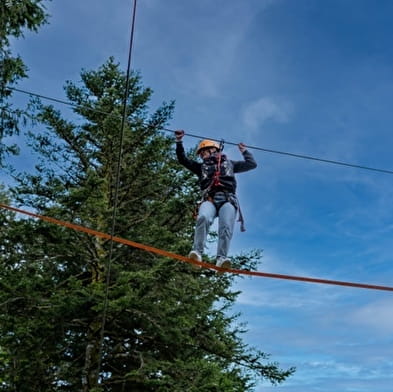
point(179, 135)
point(242, 147)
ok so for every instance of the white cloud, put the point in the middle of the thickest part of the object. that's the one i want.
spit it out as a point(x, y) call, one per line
point(376, 315)
point(278, 300)
point(264, 109)
point(209, 54)
point(280, 295)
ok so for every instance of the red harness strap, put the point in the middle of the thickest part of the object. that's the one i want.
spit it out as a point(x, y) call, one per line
point(216, 177)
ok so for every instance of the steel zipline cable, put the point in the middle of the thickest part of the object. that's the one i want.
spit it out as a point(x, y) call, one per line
point(268, 150)
point(294, 155)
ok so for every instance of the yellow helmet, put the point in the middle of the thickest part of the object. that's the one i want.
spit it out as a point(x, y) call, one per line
point(207, 144)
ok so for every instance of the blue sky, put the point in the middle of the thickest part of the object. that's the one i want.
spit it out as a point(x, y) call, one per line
point(304, 76)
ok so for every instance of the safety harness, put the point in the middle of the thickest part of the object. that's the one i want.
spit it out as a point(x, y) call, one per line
point(216, 177)
point(209, 193)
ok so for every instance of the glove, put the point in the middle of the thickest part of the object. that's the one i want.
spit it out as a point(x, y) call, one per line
point(242, 147)
point(179, 135)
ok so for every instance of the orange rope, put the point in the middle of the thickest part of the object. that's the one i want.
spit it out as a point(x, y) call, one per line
point(191, 261)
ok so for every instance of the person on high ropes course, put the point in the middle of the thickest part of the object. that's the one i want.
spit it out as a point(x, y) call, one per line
point(216, 174)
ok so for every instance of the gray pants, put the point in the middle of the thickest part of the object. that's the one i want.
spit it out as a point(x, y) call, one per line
point(226, 220)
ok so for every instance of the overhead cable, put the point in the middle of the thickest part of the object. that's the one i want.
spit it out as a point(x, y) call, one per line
point(268, 150)
point(294, 155)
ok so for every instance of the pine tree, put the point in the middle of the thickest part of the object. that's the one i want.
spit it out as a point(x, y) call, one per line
point(15, 17)
point(98, 316)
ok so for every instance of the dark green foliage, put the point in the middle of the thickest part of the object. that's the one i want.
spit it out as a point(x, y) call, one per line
point(16, 16)
point(166, 324)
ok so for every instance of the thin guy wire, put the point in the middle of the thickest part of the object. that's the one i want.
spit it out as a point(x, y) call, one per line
point(284, 153)
point(116, 197)
point(62, 101)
